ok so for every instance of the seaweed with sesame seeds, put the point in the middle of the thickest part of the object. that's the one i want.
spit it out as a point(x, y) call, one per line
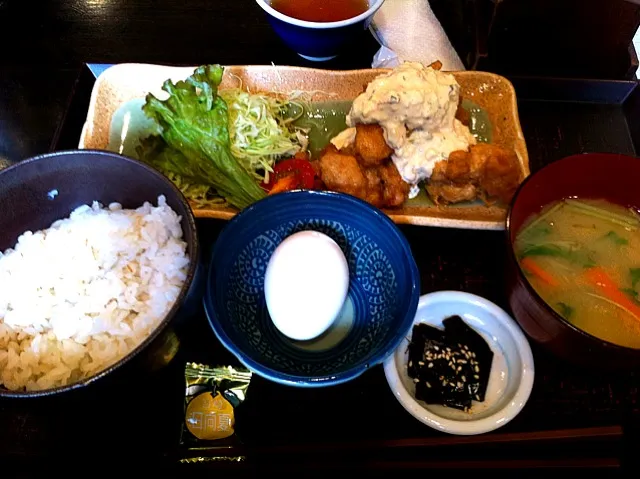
point(449, 366)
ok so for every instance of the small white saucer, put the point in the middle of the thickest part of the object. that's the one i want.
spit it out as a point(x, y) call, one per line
point(512, 371)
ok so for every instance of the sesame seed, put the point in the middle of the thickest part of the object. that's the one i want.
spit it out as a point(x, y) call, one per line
point(466, 347)
point(436, 348)
point(420, 363)
point(459, 345)
point(477, 397)
point(410, 363)
point(473, 355)
point(463, 378)
point(430, 365)
point(444, 383)
point(416, 380)
point(475, 376)
point(476, 369)
point(459, 368)
point(449, 350)
point(459, 385)
point(462, 361)
point(428, 384)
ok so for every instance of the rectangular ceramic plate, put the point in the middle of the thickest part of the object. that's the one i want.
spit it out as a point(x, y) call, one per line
point(123, 83)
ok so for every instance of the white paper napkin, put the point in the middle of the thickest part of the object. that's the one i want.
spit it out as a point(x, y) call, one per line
point(409, 31)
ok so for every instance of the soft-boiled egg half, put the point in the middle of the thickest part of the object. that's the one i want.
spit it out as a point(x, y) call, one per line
point(306, 284)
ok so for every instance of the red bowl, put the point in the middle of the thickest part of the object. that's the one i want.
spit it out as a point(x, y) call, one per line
point(594, 175)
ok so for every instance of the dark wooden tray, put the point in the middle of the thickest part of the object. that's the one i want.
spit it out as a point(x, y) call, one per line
point(574, 419)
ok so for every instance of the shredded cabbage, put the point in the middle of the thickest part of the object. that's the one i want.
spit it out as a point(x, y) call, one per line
point(261, 130)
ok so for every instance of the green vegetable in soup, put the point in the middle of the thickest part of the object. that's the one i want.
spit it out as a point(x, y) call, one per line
point(564, 309)
point(616, 238)
point(634, 273)
point(536, 232)
point(565, 250)
point(635, 276)
point(195, 123)
point(539, 223)
point(627, 221)
point(632, 293)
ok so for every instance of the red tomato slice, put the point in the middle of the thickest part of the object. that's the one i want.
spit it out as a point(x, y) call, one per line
point(292, 174)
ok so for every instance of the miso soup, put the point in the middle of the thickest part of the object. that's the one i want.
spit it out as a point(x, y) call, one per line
point(583, 259)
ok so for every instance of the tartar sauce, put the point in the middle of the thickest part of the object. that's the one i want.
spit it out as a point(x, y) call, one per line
point(416, 107)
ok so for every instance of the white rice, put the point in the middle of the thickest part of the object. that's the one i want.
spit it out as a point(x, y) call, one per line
point(77, 297)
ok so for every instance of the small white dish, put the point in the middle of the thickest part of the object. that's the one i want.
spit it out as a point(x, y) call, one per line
point(512, 371)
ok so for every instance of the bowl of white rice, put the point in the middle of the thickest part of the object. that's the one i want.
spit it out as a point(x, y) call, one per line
point(98, 254)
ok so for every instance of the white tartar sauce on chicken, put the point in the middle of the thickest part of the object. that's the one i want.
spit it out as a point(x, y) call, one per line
point(416, 107)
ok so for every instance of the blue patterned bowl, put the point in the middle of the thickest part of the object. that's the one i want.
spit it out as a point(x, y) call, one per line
point(382, 299)
point(318, 41)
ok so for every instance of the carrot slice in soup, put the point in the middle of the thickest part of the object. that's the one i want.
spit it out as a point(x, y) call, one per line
point(534, 268)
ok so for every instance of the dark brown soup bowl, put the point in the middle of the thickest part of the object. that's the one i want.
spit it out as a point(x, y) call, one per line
point(36, 192)
point(615, 178)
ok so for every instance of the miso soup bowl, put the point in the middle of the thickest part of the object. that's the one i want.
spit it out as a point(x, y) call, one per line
point(595, 175)
point(318, 41)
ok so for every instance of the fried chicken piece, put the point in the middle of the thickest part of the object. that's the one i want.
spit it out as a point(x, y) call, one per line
point(451, 193)
point(370, 145)
point(342, 173)
point(380, 185)
point(395, 189)
point(451, 180)
point(456, 169)
point(488, 171)
point(501, 173)
point(374, 194)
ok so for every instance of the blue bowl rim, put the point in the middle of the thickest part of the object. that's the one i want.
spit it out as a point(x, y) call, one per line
point(353, 372)
point(374, 5)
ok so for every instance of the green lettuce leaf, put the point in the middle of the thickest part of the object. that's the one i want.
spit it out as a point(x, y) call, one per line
point(195, 126)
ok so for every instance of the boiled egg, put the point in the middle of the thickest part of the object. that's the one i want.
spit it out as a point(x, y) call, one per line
point(306, 284)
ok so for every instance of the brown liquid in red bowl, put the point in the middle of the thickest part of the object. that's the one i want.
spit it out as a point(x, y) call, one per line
point(612, 177)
